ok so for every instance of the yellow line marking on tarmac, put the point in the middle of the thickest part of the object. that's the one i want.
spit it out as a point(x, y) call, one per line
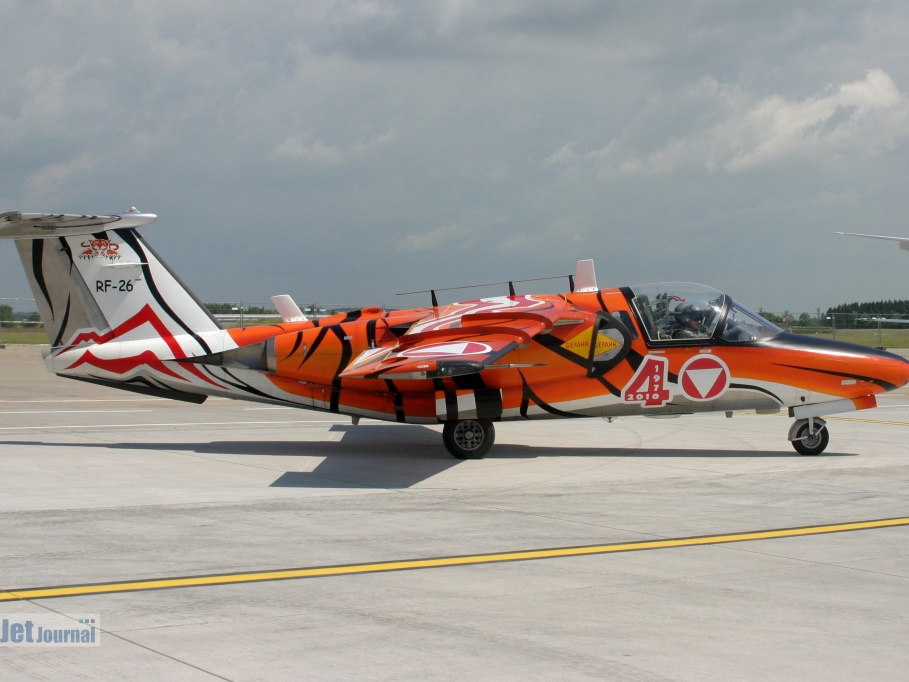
point(846, 419)
point(439, 562)
point(868, 421)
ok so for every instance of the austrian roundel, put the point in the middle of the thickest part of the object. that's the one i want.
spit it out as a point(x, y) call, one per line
point(704, 377)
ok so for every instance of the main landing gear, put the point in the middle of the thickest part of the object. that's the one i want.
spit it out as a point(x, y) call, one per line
point(468, 438)
point(809, 436)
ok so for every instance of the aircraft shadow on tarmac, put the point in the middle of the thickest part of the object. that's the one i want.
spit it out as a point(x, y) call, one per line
point(398, 455)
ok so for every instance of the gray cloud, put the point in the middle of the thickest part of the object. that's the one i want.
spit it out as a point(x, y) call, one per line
point(344, 151)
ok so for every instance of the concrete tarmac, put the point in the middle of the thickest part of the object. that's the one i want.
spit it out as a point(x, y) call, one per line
point(100, 487)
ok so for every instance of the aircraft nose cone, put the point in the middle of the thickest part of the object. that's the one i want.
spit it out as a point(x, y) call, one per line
point(905, 372)
point(852, 363)
point(894, 369)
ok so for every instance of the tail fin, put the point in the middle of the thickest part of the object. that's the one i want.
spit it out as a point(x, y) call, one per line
point(99, 286)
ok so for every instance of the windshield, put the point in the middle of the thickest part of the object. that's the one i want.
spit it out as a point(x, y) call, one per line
point(743, 325)
point(681, 311)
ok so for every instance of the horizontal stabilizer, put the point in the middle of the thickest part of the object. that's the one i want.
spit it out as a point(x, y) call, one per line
point(18, 225)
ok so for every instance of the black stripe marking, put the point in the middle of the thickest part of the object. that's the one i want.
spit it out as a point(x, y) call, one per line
point(61, 330)
point(132, 238)
point(528, 395)
point(37, 246)
point(846, 375)
point(398, 401)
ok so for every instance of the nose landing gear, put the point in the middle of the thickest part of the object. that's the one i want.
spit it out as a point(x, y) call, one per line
point(809, 436)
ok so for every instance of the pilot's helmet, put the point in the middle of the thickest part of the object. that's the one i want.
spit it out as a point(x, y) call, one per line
point(686, 312)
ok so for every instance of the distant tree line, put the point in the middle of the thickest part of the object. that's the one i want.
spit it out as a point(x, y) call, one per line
point(786, 319)
point(852, 314)
point(846, 315)
point(9, 318)
point(253, 310)
point(229, 308)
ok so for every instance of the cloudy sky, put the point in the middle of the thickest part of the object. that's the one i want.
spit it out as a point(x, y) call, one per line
point(345, 150)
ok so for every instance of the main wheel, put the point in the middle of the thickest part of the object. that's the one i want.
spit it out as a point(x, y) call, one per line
point(807, 443)
point(468, 438)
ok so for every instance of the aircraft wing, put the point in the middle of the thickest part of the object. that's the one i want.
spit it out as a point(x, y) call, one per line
point(904, 241)
point(448, 348)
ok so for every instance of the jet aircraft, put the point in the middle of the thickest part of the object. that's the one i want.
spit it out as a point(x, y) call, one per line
point(116, 315)
point(903, 241)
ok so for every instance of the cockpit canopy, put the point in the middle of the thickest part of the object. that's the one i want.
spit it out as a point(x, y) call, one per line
point(682, 311)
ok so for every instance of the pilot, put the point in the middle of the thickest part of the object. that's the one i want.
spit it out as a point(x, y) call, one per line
point(736, 332)
point(688, 322)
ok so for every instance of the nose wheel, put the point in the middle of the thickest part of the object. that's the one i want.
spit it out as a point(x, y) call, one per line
point(809, 436)
point(468, 438)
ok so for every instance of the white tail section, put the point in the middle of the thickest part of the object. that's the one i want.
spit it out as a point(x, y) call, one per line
point(112, 309)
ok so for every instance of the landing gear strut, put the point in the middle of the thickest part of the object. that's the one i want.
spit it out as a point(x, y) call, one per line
point(468, 438)
point(809, 436)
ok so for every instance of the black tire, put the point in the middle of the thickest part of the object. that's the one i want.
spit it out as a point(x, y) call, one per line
point(813, 444)
point(468, 438)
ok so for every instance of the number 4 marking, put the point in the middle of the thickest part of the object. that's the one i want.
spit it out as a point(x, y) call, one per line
point(648, 385)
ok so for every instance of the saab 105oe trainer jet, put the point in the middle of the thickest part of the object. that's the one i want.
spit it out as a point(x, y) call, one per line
point(116, 315)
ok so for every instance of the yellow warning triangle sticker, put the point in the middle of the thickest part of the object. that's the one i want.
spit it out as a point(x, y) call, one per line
point(580, 344)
